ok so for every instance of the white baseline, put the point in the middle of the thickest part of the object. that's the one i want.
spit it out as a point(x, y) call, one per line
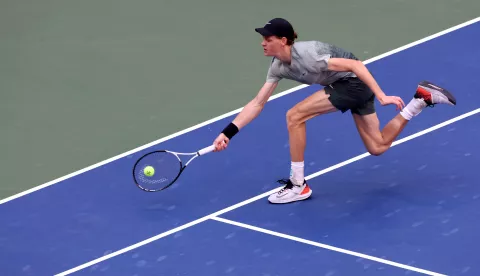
point(326, 246)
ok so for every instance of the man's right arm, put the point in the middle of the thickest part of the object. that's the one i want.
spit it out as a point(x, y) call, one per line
point(248, 113)
point(255, 106)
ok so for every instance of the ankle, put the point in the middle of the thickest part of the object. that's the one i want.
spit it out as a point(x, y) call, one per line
point(297, 172)
point(413, 108)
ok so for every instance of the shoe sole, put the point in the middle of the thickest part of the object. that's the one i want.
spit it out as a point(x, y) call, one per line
point(445, 92)
point(298, 198)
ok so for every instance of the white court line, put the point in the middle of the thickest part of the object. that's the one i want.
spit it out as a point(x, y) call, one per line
point(36, 188)
point(403, 140)
point(248, 201)
point(325, 246)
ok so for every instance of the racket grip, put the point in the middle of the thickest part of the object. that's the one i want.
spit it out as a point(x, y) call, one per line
point(206, 150)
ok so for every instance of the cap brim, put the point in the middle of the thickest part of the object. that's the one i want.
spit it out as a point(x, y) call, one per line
point(263, 31)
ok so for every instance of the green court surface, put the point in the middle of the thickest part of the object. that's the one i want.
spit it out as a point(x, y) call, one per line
point(82, 81)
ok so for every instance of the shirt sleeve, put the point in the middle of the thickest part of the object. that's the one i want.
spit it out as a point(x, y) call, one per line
point(321, 54)
point(323, 61)
point(273, 72)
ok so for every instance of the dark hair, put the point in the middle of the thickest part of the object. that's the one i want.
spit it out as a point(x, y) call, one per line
point(291, 41)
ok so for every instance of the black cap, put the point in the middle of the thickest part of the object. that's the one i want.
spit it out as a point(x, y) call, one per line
point(278, 27)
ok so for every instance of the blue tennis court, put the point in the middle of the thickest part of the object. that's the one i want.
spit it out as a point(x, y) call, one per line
point(414, 210)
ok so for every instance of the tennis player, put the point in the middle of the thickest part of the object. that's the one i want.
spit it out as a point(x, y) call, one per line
point(348, 85)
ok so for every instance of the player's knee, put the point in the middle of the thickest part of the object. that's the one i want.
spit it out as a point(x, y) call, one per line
point(292, 116)
point(376, 151)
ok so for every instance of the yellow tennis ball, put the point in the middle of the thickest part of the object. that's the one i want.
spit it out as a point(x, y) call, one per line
point(149, 171)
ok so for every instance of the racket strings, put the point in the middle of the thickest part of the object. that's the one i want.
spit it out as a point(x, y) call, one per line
point(145, 179)
point(166, 167)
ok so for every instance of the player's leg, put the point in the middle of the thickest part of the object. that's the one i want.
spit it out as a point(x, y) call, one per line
point(296, 187)
point(378, 141)
point(341, 95)
point(312, 106)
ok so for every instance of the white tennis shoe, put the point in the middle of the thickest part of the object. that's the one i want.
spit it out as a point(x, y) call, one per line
point(290, 192)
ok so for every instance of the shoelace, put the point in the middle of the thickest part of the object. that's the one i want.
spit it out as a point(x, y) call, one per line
point(288, 185)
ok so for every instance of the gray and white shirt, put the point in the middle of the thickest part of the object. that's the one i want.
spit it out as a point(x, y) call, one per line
point(309, 64)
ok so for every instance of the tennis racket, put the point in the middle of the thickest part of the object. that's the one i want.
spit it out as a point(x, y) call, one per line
point(158, 170)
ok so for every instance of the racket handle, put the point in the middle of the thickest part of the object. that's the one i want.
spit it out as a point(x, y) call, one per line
point(206, 150)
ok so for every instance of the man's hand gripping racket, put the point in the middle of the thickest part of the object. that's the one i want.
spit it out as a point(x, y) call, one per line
point(221, 142)
point(224, 137)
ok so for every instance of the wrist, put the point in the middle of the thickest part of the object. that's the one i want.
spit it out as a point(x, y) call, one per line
point(381, 96)
point(230, 130)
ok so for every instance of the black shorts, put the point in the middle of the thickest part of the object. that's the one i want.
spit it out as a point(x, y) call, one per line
point(351, 94)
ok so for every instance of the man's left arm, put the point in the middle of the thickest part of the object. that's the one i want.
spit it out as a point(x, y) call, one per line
point(359, 69)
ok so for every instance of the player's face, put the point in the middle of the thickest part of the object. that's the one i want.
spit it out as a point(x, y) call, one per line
point(272, 45)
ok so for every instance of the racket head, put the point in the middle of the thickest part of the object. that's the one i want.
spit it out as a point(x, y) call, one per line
point(167, 168)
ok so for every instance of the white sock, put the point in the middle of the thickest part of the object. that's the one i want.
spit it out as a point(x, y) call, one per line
point(296, 173)
point(413, 108)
